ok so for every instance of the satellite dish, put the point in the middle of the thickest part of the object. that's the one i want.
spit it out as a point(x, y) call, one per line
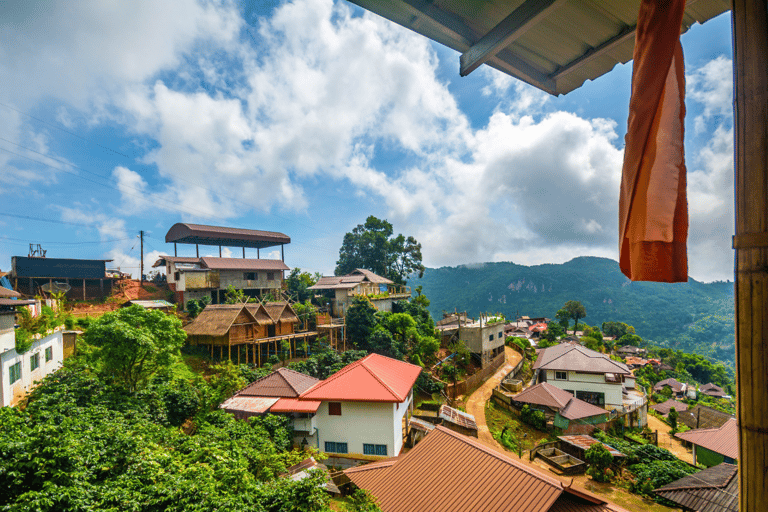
point(54, 287)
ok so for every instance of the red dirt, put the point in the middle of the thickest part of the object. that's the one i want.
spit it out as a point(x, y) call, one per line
point(123, 290)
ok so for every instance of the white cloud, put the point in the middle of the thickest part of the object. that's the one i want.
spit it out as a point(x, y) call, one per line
point(711, 85)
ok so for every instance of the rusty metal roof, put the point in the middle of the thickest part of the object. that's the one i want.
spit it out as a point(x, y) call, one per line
point(6, 293)
point(349, 281)
point(282, 383)
point(714, 489)
point(451, 472)
point(702, 416)
point(248, 404)
point(574, 357)
point(555, 45)
point(174, 259)
point(242, 264)
point(723, 440)
point(16, 302)
point(457, 417)
point(421, 425)
point(584, 441)
point(184, 233)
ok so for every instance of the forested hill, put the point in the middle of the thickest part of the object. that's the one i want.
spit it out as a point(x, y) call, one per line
point(695, 317)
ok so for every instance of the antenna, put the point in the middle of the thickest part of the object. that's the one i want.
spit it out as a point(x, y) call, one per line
point(36, 251)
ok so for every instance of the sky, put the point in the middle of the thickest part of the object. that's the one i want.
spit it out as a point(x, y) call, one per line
point(305, 117)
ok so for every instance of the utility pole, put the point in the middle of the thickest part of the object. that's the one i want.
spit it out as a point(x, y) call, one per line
point(141, 274)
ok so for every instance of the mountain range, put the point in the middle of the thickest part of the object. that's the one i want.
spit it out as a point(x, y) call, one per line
point(694, 317)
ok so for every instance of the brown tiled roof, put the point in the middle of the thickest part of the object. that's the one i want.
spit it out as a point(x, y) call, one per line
point(712, 390)
point(242, 264)
point(577, 409)
point(723, 440)
point(676, 385)
point(216, 320)
point(457, 417)
point(574, 357)
point(714, 489)
point(544, 394)
point(282, 383)
point(219, 235)
point(665, 407)
point(451, 472)
point(702, 416)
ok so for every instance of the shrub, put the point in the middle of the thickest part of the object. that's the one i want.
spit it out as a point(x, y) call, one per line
point(533, 417)
point(599, 459)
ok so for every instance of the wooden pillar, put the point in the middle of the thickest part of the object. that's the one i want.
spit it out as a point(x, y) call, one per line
point(229, 351)
point(83, 289)
point(197, 250)
point(259, 355)
point(211, 351)
point(258, 253)
point(175, 253)
point(238, 354)
point(243, 252)
point(750, 39)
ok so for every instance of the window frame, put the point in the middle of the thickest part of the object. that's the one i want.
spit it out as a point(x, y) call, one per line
point(490, 338)
point(48, 354)
point(34, 361)
point(270, 276)
point(250, 276)
point(14, 370)
point(375, 449)
point(335, 447)
point(563, 373)
point(334, 408)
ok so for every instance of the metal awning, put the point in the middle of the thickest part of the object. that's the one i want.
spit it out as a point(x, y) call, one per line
point(555, 45)
point(185, 233)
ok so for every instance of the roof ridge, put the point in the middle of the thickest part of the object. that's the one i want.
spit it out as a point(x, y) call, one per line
point(500, 456)
point(336, 375)
point(373, 374)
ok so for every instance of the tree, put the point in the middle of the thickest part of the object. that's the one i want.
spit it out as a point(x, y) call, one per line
point(360, 321)
point(134, 343)
point(575, 310)
point(599, 459)
point(672, 417)
point(371, 246)
point(297, 283)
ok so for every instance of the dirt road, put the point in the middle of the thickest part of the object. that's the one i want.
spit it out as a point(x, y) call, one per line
point(476, 402)
point(669, 442)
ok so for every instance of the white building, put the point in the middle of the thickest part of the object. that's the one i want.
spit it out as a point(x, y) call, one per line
point(19, 372)
point(361, 410)
point(594, 378)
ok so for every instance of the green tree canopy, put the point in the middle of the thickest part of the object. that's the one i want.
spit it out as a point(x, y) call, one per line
point(298, 282)
point(134, 343)
point(360, 321)
point(575, 310)
point(374, 247)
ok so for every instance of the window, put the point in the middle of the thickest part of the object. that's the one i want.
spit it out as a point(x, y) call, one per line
point(374, 449)
point(501, 333)
point(176, 276)
point(561, 375)
point(249, 276)
point(270, 276)
point(334, 408)
point(15, 372)
point(34, 361)
point(48, 354)
point(333, 447)
point(490, 338)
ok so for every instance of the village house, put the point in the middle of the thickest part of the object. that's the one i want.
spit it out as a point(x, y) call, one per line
point(568, 413)
point(19, 372)
point(713, 390)
point(594, 378)
point(78, 279)
point(380, 291)
point(630, 350)
point(679, 389)
point(702, 416)
point(714, 489)
point(448, 471)
point(484, 337)
point(712, 446)
point(360, 410)
point(665, 407)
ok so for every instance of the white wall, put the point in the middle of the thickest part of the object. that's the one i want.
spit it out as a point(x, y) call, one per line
point(589, 382)
point(12, 393)
point(359, 423)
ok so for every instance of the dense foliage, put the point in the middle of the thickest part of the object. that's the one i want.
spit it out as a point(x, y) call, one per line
point(599, 459)
point(533, 417)
point(84, 444)
point(297, 283)
point(694, 317)
point(374, 247)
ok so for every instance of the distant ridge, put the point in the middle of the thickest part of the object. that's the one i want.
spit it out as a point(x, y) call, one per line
point(695, 317)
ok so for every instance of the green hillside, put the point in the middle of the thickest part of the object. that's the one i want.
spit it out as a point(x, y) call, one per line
point(695, 317)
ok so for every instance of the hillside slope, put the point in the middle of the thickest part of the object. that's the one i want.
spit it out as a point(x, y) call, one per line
point(695, 317)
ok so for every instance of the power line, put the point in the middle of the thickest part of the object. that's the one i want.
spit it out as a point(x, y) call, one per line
point(40, 219)
point(64, 243)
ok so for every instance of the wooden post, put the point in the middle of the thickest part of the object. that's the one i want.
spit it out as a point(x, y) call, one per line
point(238, 355)
point(750, 39)
point(211, 351)
point(175, 252)
point(83, 289)
point(229, 351)
point(259, 355)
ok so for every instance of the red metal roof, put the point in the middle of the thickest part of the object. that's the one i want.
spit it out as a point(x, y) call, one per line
point(723, 440)
point(374, 378)
point(451, 472)
point(295, 405)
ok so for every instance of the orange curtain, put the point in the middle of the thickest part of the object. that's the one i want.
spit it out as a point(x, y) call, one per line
point(653, 209)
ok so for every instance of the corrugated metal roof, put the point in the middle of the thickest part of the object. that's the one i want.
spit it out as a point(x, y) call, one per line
point(714, 489)
point(295, 405)
point(674, 384)
point(174, 259)
point(349, 281)
point(574, 357)
point(451, 472)
point(247, 405)
point(229, 237)
point(283, 383)
point(723, 440)
point(457, 417)
point(15, 302)
point(421, 425)
point(149, 304)
point(702, 416)
point(5, 293)
point(374, 378)
point(555, 45)
point(242, 264)
point(577, 409)
point(584, 441)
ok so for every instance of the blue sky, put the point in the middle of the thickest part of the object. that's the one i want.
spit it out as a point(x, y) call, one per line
point(305, 118)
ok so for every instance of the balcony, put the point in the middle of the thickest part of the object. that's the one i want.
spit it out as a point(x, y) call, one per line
point(201, 279)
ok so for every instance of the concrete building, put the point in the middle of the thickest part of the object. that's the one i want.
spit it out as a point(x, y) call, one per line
point(381, 291)
point(484, 337)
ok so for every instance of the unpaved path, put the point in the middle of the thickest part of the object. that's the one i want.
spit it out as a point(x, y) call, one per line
point(477, 400)
point(669, 442)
